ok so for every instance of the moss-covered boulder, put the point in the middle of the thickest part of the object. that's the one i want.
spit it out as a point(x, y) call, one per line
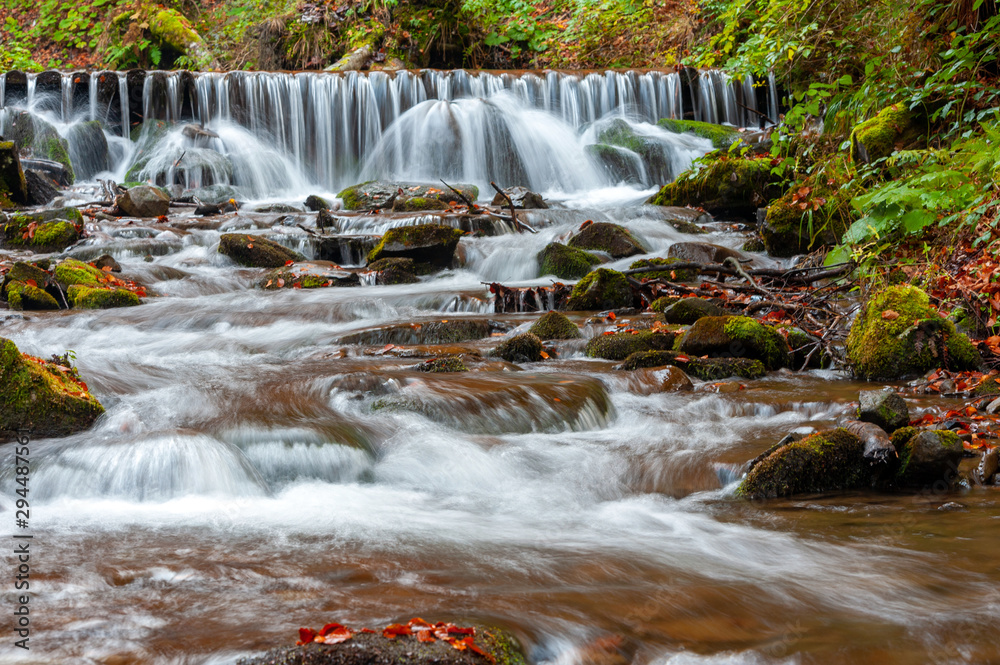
point(42, 396)
point(398, 271)
point(565, 262)
point(599, 290)
point(523, 348)
point(706, 369)
point(661, 304)
point(554, 325)
point(375, 194)
point(609, 238)
point(724, 187)
point(308, 275)
point(438, 365)
point(256, 251)
point(91, 297)
point(42, 232)
point(619, 346)
point(144, 201)
point(884, 408)
point(316, 203)
point(895, 127)
point(417, 204)
point(688, 310)
point(721, 136)
point(667, 273)
point(13, 186)
point(25, 272)
point(821, 462)
point(31, 132)
point(448, 331)
point(898, 334)
point(174, 31)
point(928, 458)
point(736, 337)
point(632, 155)
point(705, 252)
point(433, 244)
point(23, 296)
point(70, 271)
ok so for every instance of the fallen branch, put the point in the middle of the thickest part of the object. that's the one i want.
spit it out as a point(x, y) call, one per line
point(510, 203)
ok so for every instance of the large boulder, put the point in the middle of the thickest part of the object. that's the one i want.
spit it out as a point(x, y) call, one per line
point(927, 458)
point(375, 194)
point(42, 396)
point(256, 251)
point(13, 187)
point(70, 272)
point(724, 187)
point(91, 297)
point(736, 337)
point(631, 155)
point(41, 188)
point(30, 132)
point(688, 310)
point(565, 262)
point(601, 289)
point(898, 334)
point(609, 238)
point(433, 244)
point(821, 462)
point(24, 296)
point(44, 231)
point(523, 348)
point(144, 201)
point(895, 127)
point(398, 271)
point(884, 408)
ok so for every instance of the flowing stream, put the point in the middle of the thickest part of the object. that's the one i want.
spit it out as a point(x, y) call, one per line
point(246, 480)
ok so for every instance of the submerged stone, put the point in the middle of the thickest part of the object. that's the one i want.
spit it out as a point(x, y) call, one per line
point(308, 275)
point(436, 365)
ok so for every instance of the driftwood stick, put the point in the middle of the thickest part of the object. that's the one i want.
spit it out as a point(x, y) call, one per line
point(513, 215)
point(470, 204)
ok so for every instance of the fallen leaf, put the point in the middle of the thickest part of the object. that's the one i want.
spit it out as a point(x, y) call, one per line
point(890, 315)
point(394, 630)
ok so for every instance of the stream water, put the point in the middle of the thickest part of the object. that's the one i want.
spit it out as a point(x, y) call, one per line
point(244, 481)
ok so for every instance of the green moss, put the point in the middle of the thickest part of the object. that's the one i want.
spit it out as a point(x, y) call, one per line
point(916, 341)
point(565, 262)
point(610, 238)
point(436, 365)
point(736, 336)
point(620, 346)
point(721, 136)
point(21, 296)
point(554, 325)
point(988, 386)
point(86, 297)
point(256, 251)
point(71, 271)
point(523, 348)
point(56, 149)
point(901, 437)
point(601, 289)
point(676, 276)
point(395, 271)
point(417, 204)
point(688, 310)
point(48, 236)
point(42, 396)
point(820, 462)
point(428, 243)
point(352, 198)
point(706, 369)
point(662, 303)
point(877, 137)
point(22, 272)
point(723, 186)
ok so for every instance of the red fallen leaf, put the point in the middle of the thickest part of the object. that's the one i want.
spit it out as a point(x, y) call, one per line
point(306, 635)
point(970, 410)
point(586, 224)
point(417, 622)
point(269, 282)
point(297, 285)
point(289, 262)
point(329, 628)
point(31, 282)
point(425, 636)
point(544, 355)
point(336, 635)
point(673, 275)
point(250, 246)
point(162, 218)
point(890, 315)
point(395, 630)
point(281, 283)
point(611, 316)
point(368, 630)
point(682, 359)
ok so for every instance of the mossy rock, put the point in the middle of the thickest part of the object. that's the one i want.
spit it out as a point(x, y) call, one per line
point(88, 297)
point(928, 458)
point(43, 397)
point(309, 275)
point(688, 310)
point(51, 236)
point(256, 251)
point(25, 297)
point(721, 136)
point(433, 244)
point(33, 133)
point(565, 262)
point(438, 365)
point(724, 187)
point(13, 186)
point(706, 369)
point(67, 214)
point(661, 304)
point(397, 271)
point(801, 344)
point(670, 275)
point(988, 386)
point(887, 347)
point(554, 325)
point(621, 345)
point(612, 239)
point(599, 290)
point(821, 462)
point(884, 408)
point(417, 204)
point(894, 128)
point(737, 337)
point(450, 331)
point(174, 31)
point(70, 271)
point(316, 203)
point(22, 272)
point(375, 194)
point(523, 348)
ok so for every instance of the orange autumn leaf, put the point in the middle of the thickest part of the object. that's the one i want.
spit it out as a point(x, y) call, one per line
point(31, 282)
point(250, 245)
point(394, 630)
point(890, 315)
point(289, 262)
point(281, 283)
point(544, 355)
point(425, 636)
point(306, 635)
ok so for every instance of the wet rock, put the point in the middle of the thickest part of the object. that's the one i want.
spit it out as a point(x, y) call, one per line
point(273, 208)
point(821, 462)
point(32, 133)
point(685, 220)
point(144, 201)
point(42, 232)
point(448, 331)
point(989, 464)
point(554, 325)
point(565, 262)
point(613, 239)
point(442, 365)
point(661, 304)
point(316, 203)
point(523, 348)
point(88, 149)
point(621, 345)
point(898, 334)
point(41, 188)
point(522, 198)
point(675, 275)
point(375, 194)
point(928, 458)
point(632, 155)
point(737, 337)
point(22, 296)
point(256, 251)
point(424, 243)
point(107, 261)
point(688, 310)
point(724, 187)
point(89, 297)
point(404, 203)
point(212, 194)
point(703, 252)
point(653, 380)
point(806, 349)
point(70, 271)
point(308, 275)
point(706, 369)
point(398, 271)
point(721, 136)
point(49, 399)
point(599, 290)
point(13, 188)
point(53, 170)
point(884, 408)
